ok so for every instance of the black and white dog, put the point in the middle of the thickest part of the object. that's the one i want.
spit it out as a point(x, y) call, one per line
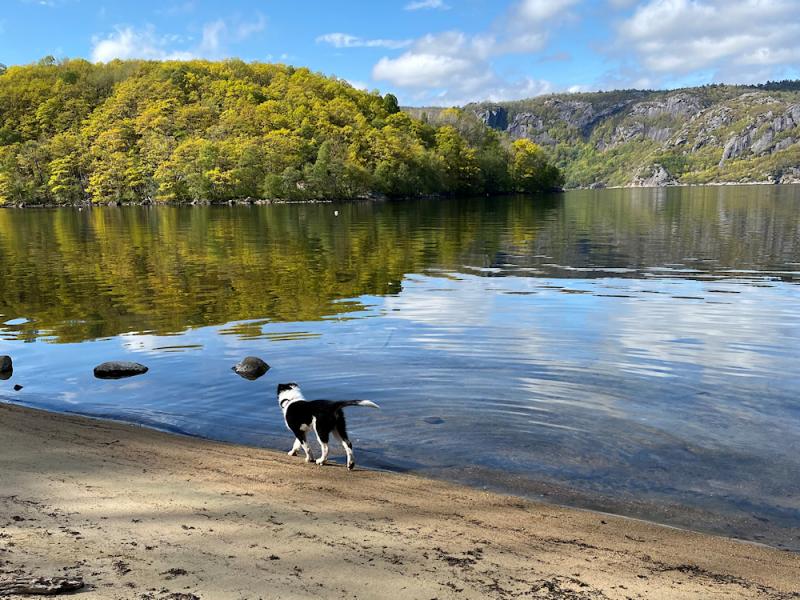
point(325, 417)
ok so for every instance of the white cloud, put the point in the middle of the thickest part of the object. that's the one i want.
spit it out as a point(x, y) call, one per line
point(415, 69)
point(538, 11)
point(452, 67)
point(127, 42)
point(245, 29)
point(345, 40)
point(212, 34)
point(729, 40)
point(359, 85)
point(427, 5)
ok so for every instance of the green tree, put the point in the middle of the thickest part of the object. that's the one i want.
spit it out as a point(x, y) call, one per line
point(390, 104)
point(530, 169)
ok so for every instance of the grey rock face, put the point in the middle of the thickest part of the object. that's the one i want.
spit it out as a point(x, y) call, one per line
point(495, 117)
point(525, 125)
point(791, 175)
point(626, 133)
point(119, 370)
point(576, 114)
point(676, 105)
point(736, 146)
point(251, 368)
point(764, 143)
point(746, 141)
point(784, 143)
point(718, 118)
point(659, 134)
point(704, 139)
point(653, 176)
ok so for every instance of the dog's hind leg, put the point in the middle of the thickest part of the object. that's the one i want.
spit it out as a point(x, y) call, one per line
point(295, 447)
point(340, 430)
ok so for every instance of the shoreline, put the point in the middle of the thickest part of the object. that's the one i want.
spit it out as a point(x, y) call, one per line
point(140, 513)
point(379, 197)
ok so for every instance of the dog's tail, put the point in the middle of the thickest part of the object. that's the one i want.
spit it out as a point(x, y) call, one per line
point(344, 403)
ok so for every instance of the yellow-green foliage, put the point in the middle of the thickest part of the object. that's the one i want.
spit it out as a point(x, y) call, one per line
point(530, 169)
point(183, 131)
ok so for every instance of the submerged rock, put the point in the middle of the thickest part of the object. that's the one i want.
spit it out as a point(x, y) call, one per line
point(6, 365)
point(17, 387)
point(118, 370)
point(251, 368)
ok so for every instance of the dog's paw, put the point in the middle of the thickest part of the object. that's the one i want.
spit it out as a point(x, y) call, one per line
point(320, 461)
point(292, 453)
point(351, 465)
point(309, 459)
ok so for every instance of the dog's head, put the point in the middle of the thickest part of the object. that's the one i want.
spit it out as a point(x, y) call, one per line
point(288, 393)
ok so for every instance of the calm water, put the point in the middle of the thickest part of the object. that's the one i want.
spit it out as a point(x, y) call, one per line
point(633, 351)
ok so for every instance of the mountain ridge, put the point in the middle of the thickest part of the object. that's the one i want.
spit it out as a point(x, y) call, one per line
point(702, 135)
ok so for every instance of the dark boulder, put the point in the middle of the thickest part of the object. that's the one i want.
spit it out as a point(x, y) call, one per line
point(118, 370)
point(251, 368)
point(6, 364)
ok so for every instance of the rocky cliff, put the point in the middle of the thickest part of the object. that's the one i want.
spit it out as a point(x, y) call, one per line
point(651, 138)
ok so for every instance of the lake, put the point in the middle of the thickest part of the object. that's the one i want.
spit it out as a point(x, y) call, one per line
point(633, 351)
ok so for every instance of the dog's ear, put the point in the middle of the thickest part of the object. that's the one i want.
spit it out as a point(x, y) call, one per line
point(282, 387)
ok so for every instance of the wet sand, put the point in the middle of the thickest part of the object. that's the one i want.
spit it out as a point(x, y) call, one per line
point(148, 515)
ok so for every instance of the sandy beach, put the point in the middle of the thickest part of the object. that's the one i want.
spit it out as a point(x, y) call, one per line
point(147, 515)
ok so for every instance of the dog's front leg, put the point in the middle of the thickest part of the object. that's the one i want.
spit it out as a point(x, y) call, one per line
point(295, 447)
point(307, 450)
point(321, 460)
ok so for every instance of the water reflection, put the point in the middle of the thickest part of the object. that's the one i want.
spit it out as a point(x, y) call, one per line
point(94, 274)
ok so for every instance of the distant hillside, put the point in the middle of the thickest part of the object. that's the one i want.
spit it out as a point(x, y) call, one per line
point(73, 132)
point(715, 133)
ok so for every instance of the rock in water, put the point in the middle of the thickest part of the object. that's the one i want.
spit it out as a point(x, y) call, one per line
point(6, 364)
point(251, 368)
point(118, 370)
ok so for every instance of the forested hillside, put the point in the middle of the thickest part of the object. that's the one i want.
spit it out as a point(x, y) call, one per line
point(127, 131)
point(715, 133)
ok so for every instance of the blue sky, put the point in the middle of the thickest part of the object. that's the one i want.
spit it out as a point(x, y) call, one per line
point(443, 52)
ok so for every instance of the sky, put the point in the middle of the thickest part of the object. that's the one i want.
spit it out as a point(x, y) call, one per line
point(433, 52)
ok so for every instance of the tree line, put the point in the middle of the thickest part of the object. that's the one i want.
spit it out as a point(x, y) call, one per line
point(75, 132)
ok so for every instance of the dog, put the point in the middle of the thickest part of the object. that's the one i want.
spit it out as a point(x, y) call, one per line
point(325, 417)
